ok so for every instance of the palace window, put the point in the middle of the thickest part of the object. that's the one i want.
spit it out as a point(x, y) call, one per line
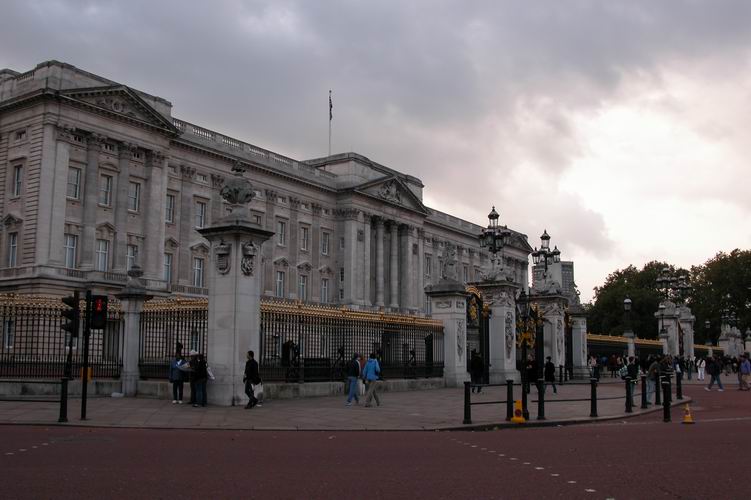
point(131, 256)
point(466, 274)
point(304, 235)
point(198, 272)
point(169, 209)
point(74, 182)
point(102, 255)
point(17, 180)
point(428, 265)
point(324, 289)
point(325, 238)
point(341, 243)
point(20, 135)
point(280, 277)
point(105, 190)
point(12, 249)
point(281, 232)
point(168, 267)
point(9, 333)
point(341, 275)
point(70, 243)
point(134, 197)
point(200, 214)
point(302, 287)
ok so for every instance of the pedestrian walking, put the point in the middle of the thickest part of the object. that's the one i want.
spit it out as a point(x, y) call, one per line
point(476, 369)
point(177, 378)
point(251, 378)
point(201, 378)
point(632, 370)
point(701, 365)
point(189, 367)
point(549, 376)
point(714, 368)
point(353, 375)
point(745, 370)
point(531, 372)
point(370, 375)
point(653, 376)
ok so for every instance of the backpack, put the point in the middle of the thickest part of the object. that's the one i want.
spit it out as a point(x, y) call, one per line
point(623, 372)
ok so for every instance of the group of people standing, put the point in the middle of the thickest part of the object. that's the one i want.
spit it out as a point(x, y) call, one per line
point(369, 373)
point(196, 371)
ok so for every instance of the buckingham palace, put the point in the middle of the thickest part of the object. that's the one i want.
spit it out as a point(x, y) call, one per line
point(98, 177)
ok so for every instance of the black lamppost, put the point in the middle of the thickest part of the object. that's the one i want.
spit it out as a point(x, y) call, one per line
point(494, 237)
point(527, 323)
point(545, 255)
point(707, 333)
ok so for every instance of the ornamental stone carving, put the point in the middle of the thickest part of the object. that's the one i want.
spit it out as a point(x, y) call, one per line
point(249, 253)
point(237, 190)
point(223, 253)
point(509, 333)
point(461, 339)
point(449, 263)
point(390, 192)
point(559, 337)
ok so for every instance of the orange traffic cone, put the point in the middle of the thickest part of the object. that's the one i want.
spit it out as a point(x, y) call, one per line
point(687, 417)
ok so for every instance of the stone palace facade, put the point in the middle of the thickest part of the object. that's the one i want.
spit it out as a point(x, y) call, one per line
point(97, 177)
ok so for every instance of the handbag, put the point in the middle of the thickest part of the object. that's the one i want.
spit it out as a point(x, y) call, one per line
point(210, 373)
point(360, 387)
point(258, 390)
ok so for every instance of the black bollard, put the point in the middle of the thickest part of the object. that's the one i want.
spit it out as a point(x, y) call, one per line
point(509, 399)
point(678, 386)
point(666, 401)
point(629, 408)
point(467, 407)
point(644, 402)
point(669, 393)
point(593, 384)
point(658, 400)
point(63, 400)
point(525, 410)
point(540, 399)
point(560, 375)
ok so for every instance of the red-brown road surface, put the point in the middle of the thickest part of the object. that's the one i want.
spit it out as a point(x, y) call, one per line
point(638, 458)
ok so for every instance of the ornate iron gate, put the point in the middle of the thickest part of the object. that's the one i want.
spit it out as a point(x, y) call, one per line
point(478, 335)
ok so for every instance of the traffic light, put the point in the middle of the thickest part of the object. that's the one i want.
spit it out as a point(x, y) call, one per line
point(71, 316)
point(98, 312)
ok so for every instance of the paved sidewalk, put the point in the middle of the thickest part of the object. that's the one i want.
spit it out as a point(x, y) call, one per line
point(437, 409)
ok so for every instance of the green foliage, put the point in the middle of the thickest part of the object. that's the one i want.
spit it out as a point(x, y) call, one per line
point(722, 282)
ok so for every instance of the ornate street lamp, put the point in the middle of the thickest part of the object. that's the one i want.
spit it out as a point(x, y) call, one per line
point(545, 255)
point(528, 320)
point(707, 337)
point(627, 313)
point(494, 237)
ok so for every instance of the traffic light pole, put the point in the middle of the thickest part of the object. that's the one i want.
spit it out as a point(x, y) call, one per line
point(85, 374)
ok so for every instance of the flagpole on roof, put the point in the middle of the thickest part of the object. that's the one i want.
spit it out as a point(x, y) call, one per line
point(331, 116)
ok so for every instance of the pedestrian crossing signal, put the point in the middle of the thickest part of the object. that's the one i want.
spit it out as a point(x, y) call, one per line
point(98, 312)
point(71, 316)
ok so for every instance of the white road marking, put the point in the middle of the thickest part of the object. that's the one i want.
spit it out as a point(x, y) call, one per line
point(555, 475)
point(9, 453)
point(539, 468)
point(571, 482)
point(590, 490)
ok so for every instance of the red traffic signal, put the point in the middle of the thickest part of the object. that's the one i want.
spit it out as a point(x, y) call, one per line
point(99, 312)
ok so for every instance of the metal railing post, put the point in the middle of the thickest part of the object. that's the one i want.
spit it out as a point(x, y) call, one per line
point(678, 386)
point(629, 408)
point(467, 407)
point(63, 400)
point(509, 399)
point(644, 402)
point(540, 399)
point(593, 397)
point(658, 390)
point(666, 401)
point(560, 374)
point(525, 410)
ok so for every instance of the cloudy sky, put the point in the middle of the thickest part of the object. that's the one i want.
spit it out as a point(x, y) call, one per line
point(621, 127)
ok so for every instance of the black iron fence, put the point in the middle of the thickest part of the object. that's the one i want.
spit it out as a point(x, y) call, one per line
point(34, 345)
point(304, 343)
point(168, 326)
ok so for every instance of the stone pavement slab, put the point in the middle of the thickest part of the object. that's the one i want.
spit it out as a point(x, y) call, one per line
point(437, 409)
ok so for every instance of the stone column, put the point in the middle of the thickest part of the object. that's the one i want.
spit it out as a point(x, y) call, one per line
point(579, 349)
point(367, 300)
point(380, 302)
point(125, 154)
point(315, 252)
point(132, 299)
point(450, 306)
point(156, 189)
point(553, 308)
point(747, 343)
point(53, 183)
point(420, 265)
point(268, 285)
point(184, 273)
point(349, 259)
point(293, 247)
point(500, 296)
point(394, 267)
point(234, 294)
point(90, 201)
point(686, 320)
point(667, 318)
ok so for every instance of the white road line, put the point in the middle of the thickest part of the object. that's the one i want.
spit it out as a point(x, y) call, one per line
point(555, 475)
point(590, 490)
point(539, 468)
point(9, 453)
point(571, 482)
point(525, 463)
point(22, 449)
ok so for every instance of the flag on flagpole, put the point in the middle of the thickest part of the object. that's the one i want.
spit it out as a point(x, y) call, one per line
point(331, 108)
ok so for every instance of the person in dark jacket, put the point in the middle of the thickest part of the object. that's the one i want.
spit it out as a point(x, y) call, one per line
point(632, 371)
point(476, 369)
point(200, 379)
point(251, 378)
point(714, 368)
point(353, 374)
point(549, 375)
point(176, 377)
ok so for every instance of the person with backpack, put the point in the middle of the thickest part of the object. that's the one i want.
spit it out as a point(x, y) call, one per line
point(353, 375)
point(176, 377)
point(632, 371)
point(745, 371)
point(370, 375)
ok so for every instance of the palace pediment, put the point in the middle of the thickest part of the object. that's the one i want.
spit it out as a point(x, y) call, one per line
point(122, 102)
point(392, 190)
